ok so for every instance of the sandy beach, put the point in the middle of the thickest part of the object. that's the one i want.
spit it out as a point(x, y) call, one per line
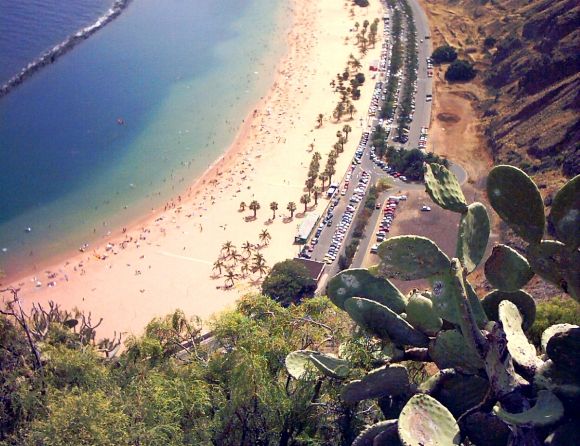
point(164, 261)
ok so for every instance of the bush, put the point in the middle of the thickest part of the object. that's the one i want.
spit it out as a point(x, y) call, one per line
point(460, 70)
point(559, 310)
point(445, 53)
point(362, 3)
point(288, 282)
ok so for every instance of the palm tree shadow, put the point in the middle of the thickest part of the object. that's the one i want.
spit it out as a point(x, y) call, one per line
point(287, 219)
point(268, 222)
point(249, 218)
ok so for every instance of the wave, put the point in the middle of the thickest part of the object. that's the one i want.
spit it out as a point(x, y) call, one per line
point(62, 48)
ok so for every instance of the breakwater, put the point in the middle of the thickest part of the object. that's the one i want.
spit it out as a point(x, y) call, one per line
point(63, 47)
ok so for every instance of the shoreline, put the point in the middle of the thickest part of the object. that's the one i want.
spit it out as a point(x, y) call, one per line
point(52, 55)
point(163, 239)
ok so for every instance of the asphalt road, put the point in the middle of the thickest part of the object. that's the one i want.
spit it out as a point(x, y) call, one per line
point(422, 117)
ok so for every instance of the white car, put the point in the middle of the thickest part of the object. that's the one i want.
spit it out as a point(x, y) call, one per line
point(425, 208)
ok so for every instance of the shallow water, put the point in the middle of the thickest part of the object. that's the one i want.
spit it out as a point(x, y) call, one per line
point(128, 118)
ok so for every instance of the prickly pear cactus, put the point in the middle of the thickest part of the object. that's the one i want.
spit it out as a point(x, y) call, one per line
point(425, 421)
point(330, 366)
point(522, 352)
point(506, 269)
point(443, 188)
point(563, 382)
point(410, 258)
point(387, 380)
point(445, 297)
point(361, 283)
point(299, 365)
point(554, 262)
point(563, 348)
point(517, 200)
point(547, 410)
point(525, 303)
point(485, 429)
point(384, 323)
point(565, 214)
point(450, 350)
point(368, 437)
point(473, 236)
point(551, 331)
point(421, 315)
point(456, 391)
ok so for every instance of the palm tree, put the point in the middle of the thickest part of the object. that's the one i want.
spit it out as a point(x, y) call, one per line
point(323, 177)
point(291, 207)
point(230, 276)
point(310, 184)
point(247, 248)
point(305, 199)
point(274, 208)
point(254, 206)
point(351, 109)
point(235, 256)
point(319, 119)
point(265, 237)
point(227, 247)
point(245, 268)
point(330, 171)
point(356, 64)
point(317, 190)
point(218, 264)
point(337, 148)
point(260, 264)
point(356, 26)
point(346, 129)
point(242, 206)
point(317, 156)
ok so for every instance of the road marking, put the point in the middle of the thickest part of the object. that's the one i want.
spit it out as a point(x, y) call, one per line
point(191, 259)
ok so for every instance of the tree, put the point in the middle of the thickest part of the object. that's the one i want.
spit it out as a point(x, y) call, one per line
point(218, 264)
point(329, 171)
point(289, 283)
point(351, 109)
point(305, 199)
point(346, 129)
point(259, 265)
point(265, 237)
point(274, 208)
point(230, 277)
point(247, 248)
point(319, 119)
point(242, 206)
point(310, 184)
point(254, 206)
point(323, 177)
point(444, 53)
point(317, 190)
point(291, 208)
point(460, 70)
point(227, 247)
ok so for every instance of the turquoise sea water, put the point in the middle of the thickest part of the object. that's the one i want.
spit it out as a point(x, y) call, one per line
point(182, 74)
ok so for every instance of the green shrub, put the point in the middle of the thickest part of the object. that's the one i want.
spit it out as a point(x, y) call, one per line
point(460, 70)
point(445, 53)
point(558, 310)
point(288, 282)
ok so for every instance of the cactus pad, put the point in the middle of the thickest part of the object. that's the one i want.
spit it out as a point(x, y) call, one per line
point(565, 214)
point(425, 421)
point(547, 410)
point(564, 348)
point(383, 322)
point(525, 303)
point(445, 297)
point(450, 350)
point(443, 188)
point(558, 265)
point(473, 236)
point(567, 434)
point(485, 429)
point(361, 283)
point(551, 331)
point(456, 391)
point(523, 353)
point(367, 436)
point(330, 366)
point(517, 200)
point(563, 382)
point(388, 380)
point(410, 257)
point(299, 365)
point(506, 269)
point(420, 314)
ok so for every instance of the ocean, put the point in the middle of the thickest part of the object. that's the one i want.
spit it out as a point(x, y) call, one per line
point(128, 118)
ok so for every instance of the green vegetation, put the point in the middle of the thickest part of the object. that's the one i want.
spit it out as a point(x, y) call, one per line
point(460, 70)
point(445, 53)
point(410, 162)
point(558, 310)
point(288, 283)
